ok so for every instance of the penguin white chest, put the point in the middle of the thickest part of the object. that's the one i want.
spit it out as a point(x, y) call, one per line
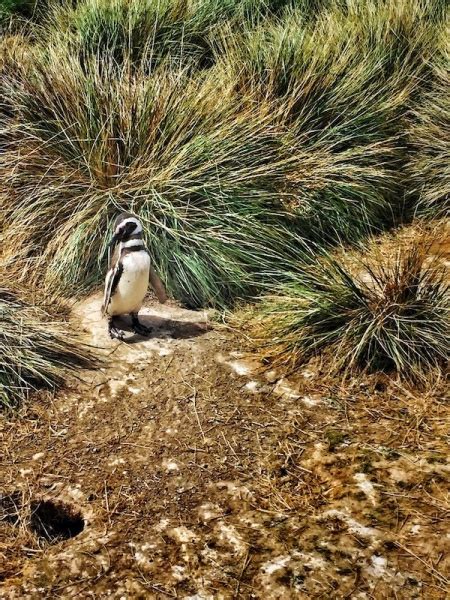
point(133, 284)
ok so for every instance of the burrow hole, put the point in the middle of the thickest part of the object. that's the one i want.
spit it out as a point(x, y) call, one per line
point(55, 521)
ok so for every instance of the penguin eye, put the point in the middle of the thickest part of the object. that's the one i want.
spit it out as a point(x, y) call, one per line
point(128, 228)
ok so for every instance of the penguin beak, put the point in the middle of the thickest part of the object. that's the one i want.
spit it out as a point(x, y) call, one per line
point(115, 238)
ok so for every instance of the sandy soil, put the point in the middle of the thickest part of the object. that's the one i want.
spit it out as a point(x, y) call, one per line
point(178, 470)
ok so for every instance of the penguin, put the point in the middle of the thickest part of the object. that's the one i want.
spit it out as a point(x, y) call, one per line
point(129, 273)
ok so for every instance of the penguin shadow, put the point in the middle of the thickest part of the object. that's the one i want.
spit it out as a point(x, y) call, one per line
point(162, 329)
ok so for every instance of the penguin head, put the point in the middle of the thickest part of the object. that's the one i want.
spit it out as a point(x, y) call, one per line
point(125, 226)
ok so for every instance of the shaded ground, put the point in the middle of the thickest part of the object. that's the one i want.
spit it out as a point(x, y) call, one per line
point(178, 471)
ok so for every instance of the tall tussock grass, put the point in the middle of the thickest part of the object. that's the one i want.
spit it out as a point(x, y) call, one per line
point(202, 177)
point(243, 133)
point(368, 311)
point(36, 350)
point(151, 31)
point(429, 137)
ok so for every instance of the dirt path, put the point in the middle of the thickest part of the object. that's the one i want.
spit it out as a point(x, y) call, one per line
point(178, 471)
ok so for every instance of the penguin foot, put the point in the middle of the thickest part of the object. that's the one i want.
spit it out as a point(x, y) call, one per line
point(114, 332)
point(138, 328)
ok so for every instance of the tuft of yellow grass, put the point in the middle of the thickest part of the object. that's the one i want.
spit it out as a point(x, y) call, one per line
point(37, 348)
point(387, 308)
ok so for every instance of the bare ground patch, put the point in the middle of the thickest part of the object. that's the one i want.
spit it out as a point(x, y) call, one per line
point(193, 476)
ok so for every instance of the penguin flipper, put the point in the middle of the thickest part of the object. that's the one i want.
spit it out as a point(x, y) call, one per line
point(112, 281)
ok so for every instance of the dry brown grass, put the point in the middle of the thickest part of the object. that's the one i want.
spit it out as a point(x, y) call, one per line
point(260, 476)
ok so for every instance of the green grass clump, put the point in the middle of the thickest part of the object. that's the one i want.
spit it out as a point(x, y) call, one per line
point(151, 31)
point(370, 313)
point(342, 82)
point(202, 175)
point(35, 350)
